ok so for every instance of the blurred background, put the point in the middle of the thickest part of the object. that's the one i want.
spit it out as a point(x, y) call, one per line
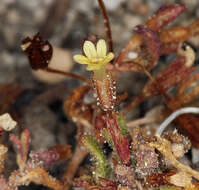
point(35, 100)
point(66, 23)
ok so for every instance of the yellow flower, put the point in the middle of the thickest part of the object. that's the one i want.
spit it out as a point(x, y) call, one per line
point(96, 57)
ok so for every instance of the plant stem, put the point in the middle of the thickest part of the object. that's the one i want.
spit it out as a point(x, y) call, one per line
point(72, 75)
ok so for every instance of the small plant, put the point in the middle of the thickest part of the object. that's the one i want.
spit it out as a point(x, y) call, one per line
point(139, 158)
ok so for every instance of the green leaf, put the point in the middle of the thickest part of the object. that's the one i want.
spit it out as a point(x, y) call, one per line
point(122, 123)
point(101, 169)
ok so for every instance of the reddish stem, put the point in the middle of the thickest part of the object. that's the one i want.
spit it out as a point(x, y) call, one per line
point(73, 165)
point(107, 25)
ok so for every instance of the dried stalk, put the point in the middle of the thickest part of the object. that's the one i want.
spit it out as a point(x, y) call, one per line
point(68, 74)
point(175, 114)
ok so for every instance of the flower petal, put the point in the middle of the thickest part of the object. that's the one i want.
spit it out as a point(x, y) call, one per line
point(81, 59)
point(101, 48)
point(89, 50)
point(108, 58)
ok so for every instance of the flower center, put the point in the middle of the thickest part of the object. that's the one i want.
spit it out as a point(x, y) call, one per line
point(96, 60)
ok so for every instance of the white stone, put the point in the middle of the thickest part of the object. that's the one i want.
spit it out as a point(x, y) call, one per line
point(6, 122)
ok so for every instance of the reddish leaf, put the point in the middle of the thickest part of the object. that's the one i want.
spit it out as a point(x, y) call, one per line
point(171, 75)
point(157, 179)
point(175, 35)
point(188, 90)
point(104, 184)
point(190, 124)
point(168, 48)
point(174, 73)
point(44, 159)
point(21, 147)
point(120, 141)
point(164, 16)
point(152, 44)
point(194, 28)
point(63, 150)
